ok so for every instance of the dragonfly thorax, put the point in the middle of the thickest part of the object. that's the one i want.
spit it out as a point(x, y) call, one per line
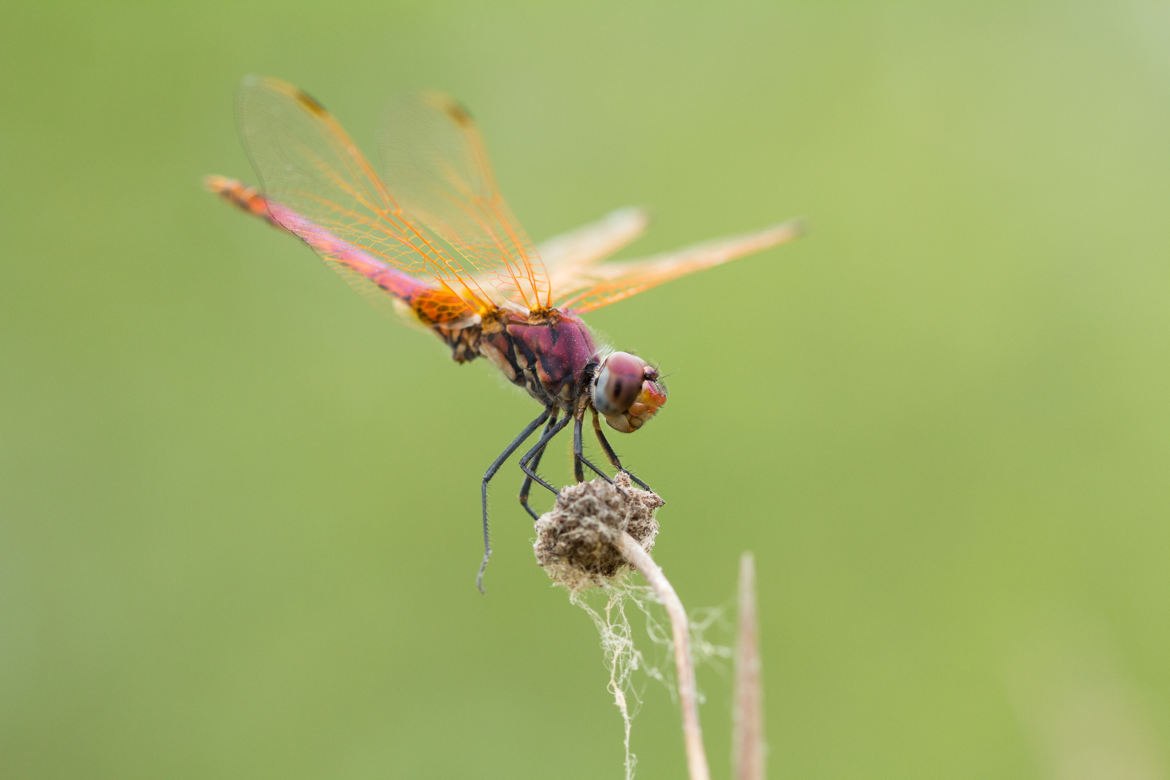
point(552, 357)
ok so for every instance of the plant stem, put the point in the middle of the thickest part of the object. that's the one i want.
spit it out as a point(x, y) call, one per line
point(748, 736)
point(687, 690)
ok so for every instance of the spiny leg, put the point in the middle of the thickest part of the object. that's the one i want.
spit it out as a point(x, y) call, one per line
point(613, 458)
point(524, 489)
point(579, 452)
point(487, 477)
point(578, 469)
point(545, 438)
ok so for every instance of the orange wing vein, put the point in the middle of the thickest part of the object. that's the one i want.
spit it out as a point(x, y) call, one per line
point(329, 195)
point(437, 164)
point(367, 274)
point(568, 254)
point(594, 286)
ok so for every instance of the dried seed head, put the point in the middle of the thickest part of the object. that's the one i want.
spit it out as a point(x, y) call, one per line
point(576, 539)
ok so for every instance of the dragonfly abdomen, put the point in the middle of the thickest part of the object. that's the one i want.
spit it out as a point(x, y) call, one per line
point(240, 195)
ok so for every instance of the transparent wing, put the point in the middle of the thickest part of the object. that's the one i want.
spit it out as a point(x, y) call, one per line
point(600, 285)
point(366, 273)
point(568, 254)
point(331, 197)
point(437, 166)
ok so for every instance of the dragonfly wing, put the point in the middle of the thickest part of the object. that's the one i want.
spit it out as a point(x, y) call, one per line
point(365, 272)
point(567, 254)
point(319, 186)
point(601, 285)
point(438, 167)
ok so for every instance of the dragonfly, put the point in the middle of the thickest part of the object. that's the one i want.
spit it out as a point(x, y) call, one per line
point(432, 234)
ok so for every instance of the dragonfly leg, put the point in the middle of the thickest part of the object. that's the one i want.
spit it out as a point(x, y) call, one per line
point(527, 486)
point(609, 453)
point(487, 477)
point(545, 438)
point(579, 453)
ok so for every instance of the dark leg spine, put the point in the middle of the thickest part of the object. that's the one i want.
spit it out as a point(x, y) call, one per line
point(545, 438)
point(579, 452)
point(487, 477)
point(609, 453)
point(527, 486)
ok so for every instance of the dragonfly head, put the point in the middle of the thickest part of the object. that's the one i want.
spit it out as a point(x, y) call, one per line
point(627, 391)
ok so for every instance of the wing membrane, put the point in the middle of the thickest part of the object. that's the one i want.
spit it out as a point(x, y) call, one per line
point(437, 165)
point(332, 198)
point(568, 254)
point(600, 285)
point(365, 273)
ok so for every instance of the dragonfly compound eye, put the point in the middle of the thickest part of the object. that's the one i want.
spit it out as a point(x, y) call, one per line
point(627, 391)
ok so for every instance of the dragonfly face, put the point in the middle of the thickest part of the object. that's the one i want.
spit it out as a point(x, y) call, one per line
point(627, 391)
point(437, 238)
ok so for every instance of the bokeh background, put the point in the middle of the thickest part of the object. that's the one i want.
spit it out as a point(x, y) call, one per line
point(239, 509)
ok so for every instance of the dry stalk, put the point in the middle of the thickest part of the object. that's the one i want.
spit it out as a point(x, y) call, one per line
point(596, 531)
point(688, 695)
point(748, 728)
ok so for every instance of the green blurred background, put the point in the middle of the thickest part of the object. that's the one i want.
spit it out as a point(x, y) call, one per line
point(239, 523)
